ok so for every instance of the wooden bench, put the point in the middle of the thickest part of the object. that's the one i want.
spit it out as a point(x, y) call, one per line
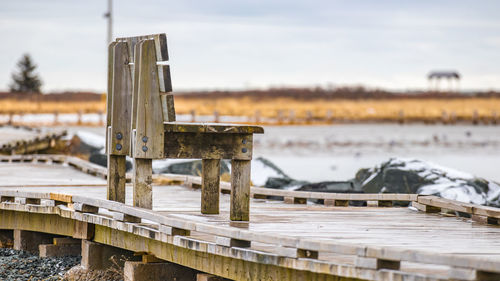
point(141, 124)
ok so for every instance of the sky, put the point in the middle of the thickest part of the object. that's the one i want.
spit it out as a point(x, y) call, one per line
point(242, 44)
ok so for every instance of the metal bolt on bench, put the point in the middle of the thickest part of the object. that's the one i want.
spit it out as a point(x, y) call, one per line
point(141, 124)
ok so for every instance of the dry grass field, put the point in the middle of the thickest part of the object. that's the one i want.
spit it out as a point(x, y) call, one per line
point(24, 106)
point(346, 109)
point(290, 108)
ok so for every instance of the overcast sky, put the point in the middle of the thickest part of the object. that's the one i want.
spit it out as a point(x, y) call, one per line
point(234, 44)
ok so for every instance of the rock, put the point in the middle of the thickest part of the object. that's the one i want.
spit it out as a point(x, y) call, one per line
point(330, 186)
point(20, 265)
point(86, 143)
point(102, 160)
point(283, 183)
point(399, 175)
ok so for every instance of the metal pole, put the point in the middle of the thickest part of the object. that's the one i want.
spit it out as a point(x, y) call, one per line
point(109, 16)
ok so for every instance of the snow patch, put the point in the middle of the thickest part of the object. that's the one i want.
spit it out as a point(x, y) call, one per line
point(91, 139)
point(446, 182)
point(261, 172)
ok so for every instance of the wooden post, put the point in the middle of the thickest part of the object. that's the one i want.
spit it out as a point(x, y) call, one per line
point(109, 93)
point(9, 121)
point(475, 117)
point(148, 106)
point(56, 118)
point(257, 116)
point(453, 117)
point(143, 179)
point(240, 190)
point(116, 178)
point(210, 182)
point(101, 117)
point(329, 116)
point(309, 116)
point(291, 116)
point(279, 116)
point(118, 120)
point(79, 116)
point(401, 116)
point(193, 115)
point(216, 116)
point(445, 118)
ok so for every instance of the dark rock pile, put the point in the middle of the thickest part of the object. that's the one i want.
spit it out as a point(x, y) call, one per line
point(20, 265)
point(399, 175)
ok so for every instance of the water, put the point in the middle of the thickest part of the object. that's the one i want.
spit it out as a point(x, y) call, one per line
point(336, 152)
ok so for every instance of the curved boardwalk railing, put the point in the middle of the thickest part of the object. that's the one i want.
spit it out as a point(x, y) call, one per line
point(297, 253)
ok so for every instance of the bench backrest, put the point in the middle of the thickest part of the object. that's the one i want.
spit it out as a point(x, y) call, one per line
point(139, 96)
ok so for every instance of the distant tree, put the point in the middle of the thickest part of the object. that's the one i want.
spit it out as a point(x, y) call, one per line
point(25, 80)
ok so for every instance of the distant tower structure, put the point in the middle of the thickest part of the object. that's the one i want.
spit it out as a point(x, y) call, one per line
point(435, 77)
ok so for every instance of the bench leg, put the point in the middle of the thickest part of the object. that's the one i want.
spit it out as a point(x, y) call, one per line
point(143, 179)
point(116, 178)
point(240, 190)
point(210, 182)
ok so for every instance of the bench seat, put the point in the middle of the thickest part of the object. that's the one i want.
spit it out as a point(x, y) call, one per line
point(185, 127)
point(141, 124)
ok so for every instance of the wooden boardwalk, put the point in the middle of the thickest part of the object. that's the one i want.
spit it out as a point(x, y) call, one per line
point(348, 240)
point(23, 140)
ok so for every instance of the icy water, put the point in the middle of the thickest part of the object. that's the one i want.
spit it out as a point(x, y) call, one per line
point(336, 152)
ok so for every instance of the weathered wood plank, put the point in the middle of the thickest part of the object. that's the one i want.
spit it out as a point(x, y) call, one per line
point(377, 264)
point(384, 253)
point(446, 204)
point(458, 273)
point(109, 94)
point(487, 211)
point(164, 79)
point(294, 200)
point(167, 104)
point(160, 43)
point(336, 203)
point(240, 190)
point(161, 46)
point(84, 208)
point(425, 208)
point(149, 127)
point(116, 178)
point(184, 127)
point(143, 179)
point(230, 242)
point(135, 90)
point(174, 231)
point(210, 186)
point(208, 146)
point(61, 197)
point(126, 217)
point(121, 101)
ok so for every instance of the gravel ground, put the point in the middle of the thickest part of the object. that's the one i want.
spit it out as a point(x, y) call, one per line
point(20, 265)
